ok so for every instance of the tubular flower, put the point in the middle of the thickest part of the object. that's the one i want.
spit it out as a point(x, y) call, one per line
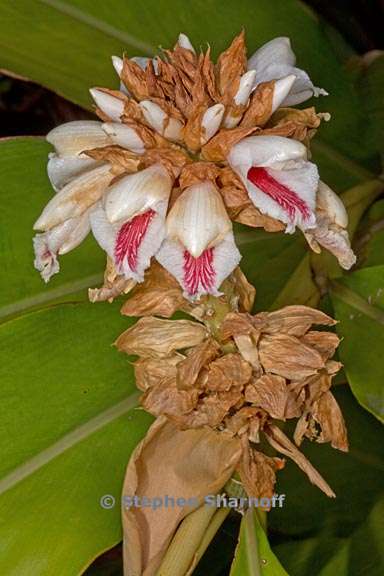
point(279, 179)
point(199, 249)
point(276, 59)
point(183, 147)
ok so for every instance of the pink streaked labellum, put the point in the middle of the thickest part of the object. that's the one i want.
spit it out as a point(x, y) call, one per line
point(131, 243)
point(280, 181)
point(199, 250)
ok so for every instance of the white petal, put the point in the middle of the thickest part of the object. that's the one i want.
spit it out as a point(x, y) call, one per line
point(73, 137)
point(124, 136)
point(198, 219)
point(60, 240)
point(76, 197)
point(118, 66)
point(211, 122)
point(281, 90)
point(276, 60)
point(185, 42)
point(332, 205)
point(275, 51)
point(112, 106)
point(158, 119)
point(225, 258)
point(136, 193)
point(303, 181)
point(264, 151)
point(62, 169)
point(245, 88)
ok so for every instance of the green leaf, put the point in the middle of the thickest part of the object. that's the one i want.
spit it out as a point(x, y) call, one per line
point(66, 45)
point(372, 88)
point(253, 556)
point(358, 301)
point(68, 398)
point(326, 555)
point(25, 191)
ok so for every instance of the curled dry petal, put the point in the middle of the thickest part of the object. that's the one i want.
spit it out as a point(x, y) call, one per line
point(326, 414)
point(260, 107)
point(114, 285)
point(74, 199)
point(153, 337)
point(218, 148)
point(292, 123)
point(258, 471)
point(245, 291)
point(120, 160)
point(281, 443)
point(184, 464)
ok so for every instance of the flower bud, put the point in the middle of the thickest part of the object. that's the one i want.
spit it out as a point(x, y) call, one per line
point(109, 104)
point(165, 125)
point(124, 136)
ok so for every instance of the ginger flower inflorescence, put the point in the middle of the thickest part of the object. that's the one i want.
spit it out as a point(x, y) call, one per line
point(182, 149)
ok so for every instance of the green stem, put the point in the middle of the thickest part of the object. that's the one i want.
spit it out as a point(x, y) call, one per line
point(186, 542)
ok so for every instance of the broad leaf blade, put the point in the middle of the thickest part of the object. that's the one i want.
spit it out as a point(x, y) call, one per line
point(358, 300)
point(253, 556)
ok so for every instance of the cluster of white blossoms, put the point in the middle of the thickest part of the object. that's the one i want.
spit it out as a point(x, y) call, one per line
point(184, 147)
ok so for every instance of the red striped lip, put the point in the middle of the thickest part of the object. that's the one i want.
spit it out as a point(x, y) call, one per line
point(199, 271)
point(130, 237)
point(284, 196)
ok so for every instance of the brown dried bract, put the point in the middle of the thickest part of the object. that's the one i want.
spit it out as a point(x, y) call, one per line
point(189, 369)
point(185, 464)
point(260, 107)
point(258, 471)
point(114, 285)
point(218, 147)
point(122, 161)
point(198, 172)
point(281, 443)
point(154, 338)
point(231, 64)
point(160, 294)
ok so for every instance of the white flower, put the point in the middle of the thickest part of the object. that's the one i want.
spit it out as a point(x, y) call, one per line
point(279, 179)
point(331, 227)
point(130, 224)
point(199, 250)
point(275, 60)
point(59, 240)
